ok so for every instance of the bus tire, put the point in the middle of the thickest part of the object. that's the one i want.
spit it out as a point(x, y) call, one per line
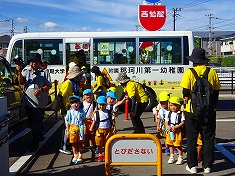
point(152, 99)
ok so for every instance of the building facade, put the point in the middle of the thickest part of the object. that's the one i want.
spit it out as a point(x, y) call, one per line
point(228, 45)
point(4, 42)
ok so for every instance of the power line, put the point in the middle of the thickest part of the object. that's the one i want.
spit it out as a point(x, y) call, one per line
point(12, 31)
point(194, 3)
point(229, 24)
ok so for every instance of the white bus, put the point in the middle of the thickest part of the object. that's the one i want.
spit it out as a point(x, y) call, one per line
point(156, 58)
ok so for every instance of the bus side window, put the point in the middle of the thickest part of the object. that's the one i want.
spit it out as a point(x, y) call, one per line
point(55, 60)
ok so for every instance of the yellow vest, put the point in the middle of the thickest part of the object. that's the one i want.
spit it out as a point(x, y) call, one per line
point(188, 81)
point(135, 89)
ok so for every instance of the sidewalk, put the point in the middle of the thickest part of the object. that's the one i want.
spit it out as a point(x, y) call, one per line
point(49, 161)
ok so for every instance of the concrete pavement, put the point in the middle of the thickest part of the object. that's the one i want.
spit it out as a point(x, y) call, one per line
point(49, 161)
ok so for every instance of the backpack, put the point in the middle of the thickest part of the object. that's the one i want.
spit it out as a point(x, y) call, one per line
point(97, 122)
point(108, 84)
point(107, 78)
point(201, 94)
point(183, 128)
point(143, 85)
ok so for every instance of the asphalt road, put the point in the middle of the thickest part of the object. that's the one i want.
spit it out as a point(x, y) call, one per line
point(48, 161)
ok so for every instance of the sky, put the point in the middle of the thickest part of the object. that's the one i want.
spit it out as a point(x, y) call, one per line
point(110, 15)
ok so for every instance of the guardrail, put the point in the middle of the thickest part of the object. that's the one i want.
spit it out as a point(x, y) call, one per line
point(227, 81)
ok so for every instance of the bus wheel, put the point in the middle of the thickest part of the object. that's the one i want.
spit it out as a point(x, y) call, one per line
point(152, 99)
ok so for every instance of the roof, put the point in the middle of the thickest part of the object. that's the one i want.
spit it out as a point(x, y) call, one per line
point(216, 34)
point(5, 38)
point(202, 34)
point(230, 36)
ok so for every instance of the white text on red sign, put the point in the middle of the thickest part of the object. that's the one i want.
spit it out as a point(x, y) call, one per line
point(159, 14)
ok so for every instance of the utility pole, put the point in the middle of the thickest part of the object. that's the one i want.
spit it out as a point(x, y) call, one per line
point(4, 21)
point(25, 30)
point(175, 10)
point(210, 46)
point(12, 31)
point(12, 28)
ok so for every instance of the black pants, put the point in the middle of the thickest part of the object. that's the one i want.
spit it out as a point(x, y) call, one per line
point(35, 122)
point(206, 126)
point(136, 120)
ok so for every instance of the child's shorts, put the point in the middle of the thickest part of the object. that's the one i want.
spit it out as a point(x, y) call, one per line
point(88, 123)
point(74, 135)
point(178, 139)
point(199, 141)
point(102, 135)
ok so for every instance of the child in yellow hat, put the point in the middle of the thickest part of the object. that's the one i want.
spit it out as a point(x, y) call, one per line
point(112, 89)
point(174, 122)
point(84, 83)
point(159, 113)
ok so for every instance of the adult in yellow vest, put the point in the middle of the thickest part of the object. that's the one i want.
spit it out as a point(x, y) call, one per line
point(100, 81)
point(139, 100)
point(205, 125)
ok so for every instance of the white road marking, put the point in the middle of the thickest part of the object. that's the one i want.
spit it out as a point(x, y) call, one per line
point(28, 155)
point(225, 120)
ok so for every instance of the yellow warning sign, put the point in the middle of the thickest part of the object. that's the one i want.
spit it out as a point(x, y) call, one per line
point(107, 75)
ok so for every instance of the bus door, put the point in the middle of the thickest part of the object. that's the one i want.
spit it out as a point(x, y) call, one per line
point(78, 51)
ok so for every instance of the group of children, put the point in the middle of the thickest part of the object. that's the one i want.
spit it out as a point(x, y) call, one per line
point(170, 119)
point(92, 121)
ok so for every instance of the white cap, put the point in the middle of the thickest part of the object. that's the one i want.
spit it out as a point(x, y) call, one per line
point(71, 64)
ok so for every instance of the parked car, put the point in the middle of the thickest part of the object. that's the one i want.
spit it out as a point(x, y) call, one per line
point(10, 88)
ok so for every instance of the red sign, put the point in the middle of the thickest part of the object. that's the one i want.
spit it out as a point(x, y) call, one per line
point(77, 46)
point(85, 46)
point(152, 17)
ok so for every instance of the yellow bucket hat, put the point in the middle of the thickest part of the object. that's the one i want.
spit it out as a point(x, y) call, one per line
point(164, 96)
point(112, 89)
point(175, 100)
point(83, 67)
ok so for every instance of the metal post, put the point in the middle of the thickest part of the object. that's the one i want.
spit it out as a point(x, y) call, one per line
point(56, 112)
point(126, 108)
point(4, 145)
point(232, 82)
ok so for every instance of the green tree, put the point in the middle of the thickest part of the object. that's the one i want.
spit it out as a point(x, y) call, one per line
point(228, 61)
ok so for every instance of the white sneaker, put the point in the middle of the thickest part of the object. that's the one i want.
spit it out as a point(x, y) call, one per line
point(179, 161)
point(193, 170)
point(207, 170)
point(171, 160)
point(67, 152)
